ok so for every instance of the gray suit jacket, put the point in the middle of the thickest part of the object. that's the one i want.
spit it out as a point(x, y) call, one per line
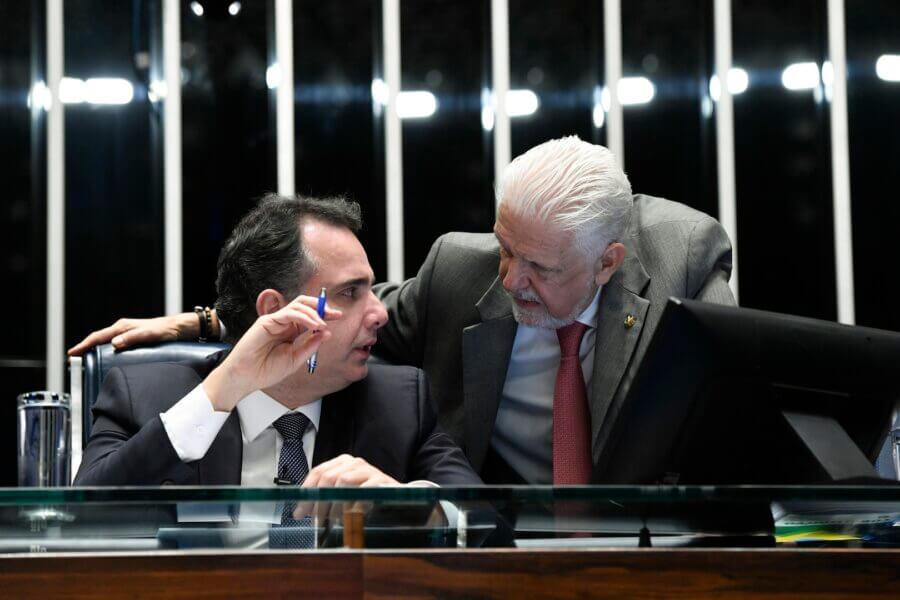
point(455, 321)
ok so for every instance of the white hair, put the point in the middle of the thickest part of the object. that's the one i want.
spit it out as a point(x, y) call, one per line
point(574, 184)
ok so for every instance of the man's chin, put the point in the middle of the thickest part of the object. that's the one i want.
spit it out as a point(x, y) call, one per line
point(532, 313)
point(349, 373)
point(541, 320)
point(359, 372)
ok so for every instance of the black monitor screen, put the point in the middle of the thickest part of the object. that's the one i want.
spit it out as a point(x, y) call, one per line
point(729, 395)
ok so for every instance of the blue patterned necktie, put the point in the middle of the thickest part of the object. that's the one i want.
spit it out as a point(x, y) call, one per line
point(292, 467)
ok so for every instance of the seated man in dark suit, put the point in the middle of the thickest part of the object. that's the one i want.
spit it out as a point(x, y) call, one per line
point(256, 415)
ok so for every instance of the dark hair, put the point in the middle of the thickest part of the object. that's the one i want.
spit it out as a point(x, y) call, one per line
point(265, 250)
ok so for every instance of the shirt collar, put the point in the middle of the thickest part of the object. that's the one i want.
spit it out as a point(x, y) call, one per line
point(589, 315)
point(258, 410)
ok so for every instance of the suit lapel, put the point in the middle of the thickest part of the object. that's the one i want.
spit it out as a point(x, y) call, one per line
point(486, 348)
point(336, 425)
point(615, 343)
point(222, 463)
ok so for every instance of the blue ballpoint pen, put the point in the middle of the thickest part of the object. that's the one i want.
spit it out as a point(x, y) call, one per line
point(320, 308)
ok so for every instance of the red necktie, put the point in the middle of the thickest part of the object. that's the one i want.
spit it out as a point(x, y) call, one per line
point(571, 418)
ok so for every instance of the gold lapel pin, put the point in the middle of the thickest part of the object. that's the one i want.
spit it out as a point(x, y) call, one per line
point(630, 321)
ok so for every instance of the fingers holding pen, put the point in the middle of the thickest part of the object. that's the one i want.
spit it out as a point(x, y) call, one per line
point(331, 314)
point(301, 316)
point(299, 319)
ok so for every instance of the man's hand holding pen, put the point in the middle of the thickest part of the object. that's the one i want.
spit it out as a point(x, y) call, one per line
point(276, 346)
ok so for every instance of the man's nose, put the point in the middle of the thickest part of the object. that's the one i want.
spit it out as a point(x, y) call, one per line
point(377, 316)
point(515, 277)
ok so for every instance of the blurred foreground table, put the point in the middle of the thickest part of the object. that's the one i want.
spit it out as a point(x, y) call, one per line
point(632, 542)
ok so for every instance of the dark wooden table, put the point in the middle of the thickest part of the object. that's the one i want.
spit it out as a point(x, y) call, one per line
point(620, 573)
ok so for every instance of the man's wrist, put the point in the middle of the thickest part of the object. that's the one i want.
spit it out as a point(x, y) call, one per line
point(188, 326)
point(223, 389)
point(215, 326)
point(204, 321)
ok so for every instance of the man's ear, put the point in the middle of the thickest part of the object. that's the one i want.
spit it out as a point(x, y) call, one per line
point(609, 262)
point(269, 301)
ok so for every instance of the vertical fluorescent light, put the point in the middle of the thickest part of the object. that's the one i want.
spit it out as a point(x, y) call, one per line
point(393, 141)
point(840, 164)
point(612, 31)
point(172, 154)
point(284, 95)
point(56, 200)
point(500, 77)
point(725, 132)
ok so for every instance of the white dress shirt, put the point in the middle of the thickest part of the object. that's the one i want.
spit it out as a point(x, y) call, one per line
point(523, 431)
point(192, 424)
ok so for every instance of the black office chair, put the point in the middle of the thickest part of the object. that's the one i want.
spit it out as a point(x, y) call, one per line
point(97, 362)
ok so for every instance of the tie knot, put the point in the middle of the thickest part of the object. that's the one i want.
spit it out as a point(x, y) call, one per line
point(291, 426)
point(570, 338)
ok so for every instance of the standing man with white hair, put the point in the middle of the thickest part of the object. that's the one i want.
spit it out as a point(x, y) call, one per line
point(531, 335)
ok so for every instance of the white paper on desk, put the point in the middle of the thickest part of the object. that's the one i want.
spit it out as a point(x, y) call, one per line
point(661, 541)
point(797, 514)
point(616, 524)
point(203, 512)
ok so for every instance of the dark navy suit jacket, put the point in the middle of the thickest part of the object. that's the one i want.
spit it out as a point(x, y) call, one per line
point(387, 419)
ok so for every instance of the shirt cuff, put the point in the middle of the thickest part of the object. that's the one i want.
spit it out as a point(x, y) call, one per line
point(451, 512)
point(422, 483)
point(192, 424)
